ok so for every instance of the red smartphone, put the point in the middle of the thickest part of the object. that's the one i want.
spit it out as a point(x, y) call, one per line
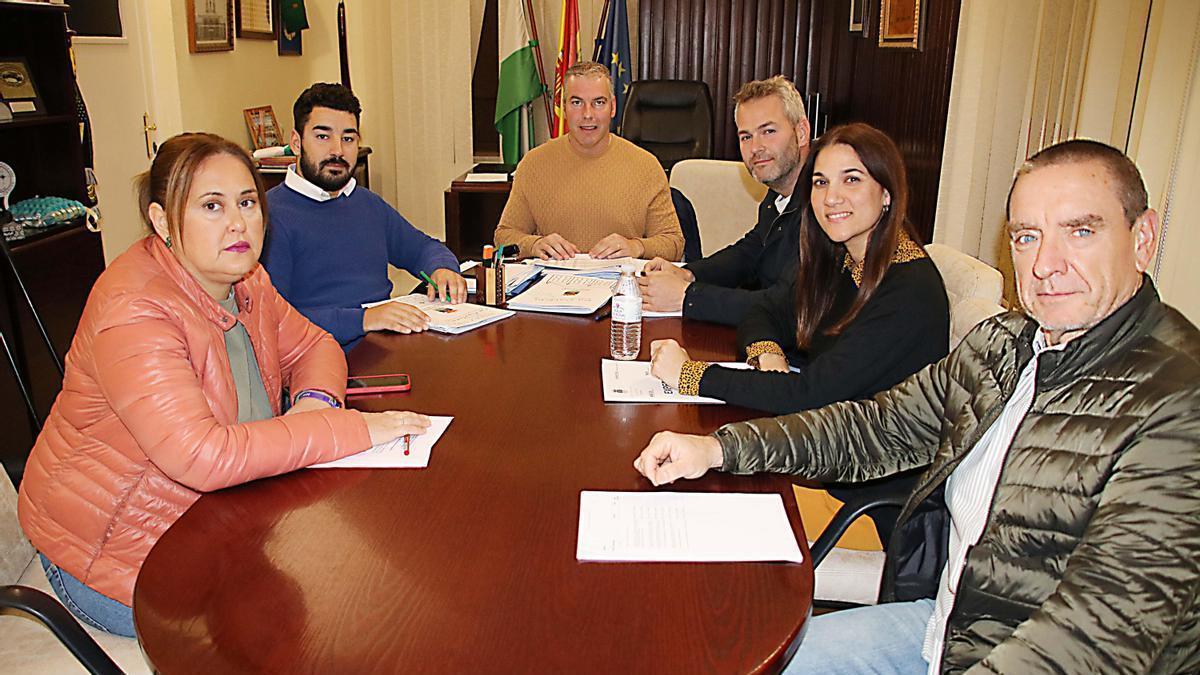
point(377, 384)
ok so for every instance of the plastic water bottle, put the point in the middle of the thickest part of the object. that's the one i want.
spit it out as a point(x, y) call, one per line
point(625, 337)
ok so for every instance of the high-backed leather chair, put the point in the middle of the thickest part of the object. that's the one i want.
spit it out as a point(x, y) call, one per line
point(672, 119)
point(725, 197)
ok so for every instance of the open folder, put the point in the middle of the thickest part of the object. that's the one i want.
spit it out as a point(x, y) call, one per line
point(565, 294)
point(452, 318)
point(631, 382)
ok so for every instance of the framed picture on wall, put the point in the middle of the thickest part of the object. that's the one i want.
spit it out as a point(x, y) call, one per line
point(263, 128)
point(256, 19)
point(858, 17)
point(900, 24)
point(290, 44)
point(210, 25)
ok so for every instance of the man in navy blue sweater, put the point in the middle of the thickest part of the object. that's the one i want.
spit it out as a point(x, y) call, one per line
point(330, 240)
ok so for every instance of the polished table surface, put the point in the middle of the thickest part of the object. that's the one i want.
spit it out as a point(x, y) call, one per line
point(469, 565)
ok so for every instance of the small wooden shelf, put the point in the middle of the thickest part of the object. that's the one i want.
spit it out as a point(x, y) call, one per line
point(30, 235)
point(58, 265)
point(25, 5)
point(38, 121)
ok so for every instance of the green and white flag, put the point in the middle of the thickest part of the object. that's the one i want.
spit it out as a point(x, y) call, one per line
point(519, 82)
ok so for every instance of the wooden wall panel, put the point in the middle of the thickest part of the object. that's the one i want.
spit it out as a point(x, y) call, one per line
point(727, 42)
point(901, 91)
point(723, 43)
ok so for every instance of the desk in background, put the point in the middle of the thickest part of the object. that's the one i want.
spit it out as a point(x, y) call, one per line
point(472, 213)
point(273, 174)
point(469, 565)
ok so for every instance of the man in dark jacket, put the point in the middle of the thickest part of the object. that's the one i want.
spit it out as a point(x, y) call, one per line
point(1064, 449)
point(773, 135)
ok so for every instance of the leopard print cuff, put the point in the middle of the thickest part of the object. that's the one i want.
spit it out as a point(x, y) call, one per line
point(689, 377)
point(757, 349)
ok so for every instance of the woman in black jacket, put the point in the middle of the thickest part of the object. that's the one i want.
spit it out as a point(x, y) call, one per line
point(867, 307)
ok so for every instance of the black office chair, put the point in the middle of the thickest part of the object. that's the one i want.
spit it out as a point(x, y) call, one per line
point(50, 613)
point(691, 228)
point(849, 512)
point(929, 523)
point(672, 119)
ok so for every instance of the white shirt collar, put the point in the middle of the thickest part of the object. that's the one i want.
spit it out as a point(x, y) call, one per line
point(1042, 344)
point(300, 184)
point(781, 202)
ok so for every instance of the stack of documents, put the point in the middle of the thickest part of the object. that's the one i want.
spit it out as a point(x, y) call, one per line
point(516, 276)
point(402, 453)
point(631, 382)
point(565, 294)
point(445, 317)
point(583, 263)
point(684, 527)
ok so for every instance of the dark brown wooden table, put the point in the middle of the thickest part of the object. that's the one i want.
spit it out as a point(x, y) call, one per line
point(469, 565)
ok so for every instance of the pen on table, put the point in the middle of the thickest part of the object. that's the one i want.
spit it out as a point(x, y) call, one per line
point(437, 292)
point(604, 313)
point(407, 443)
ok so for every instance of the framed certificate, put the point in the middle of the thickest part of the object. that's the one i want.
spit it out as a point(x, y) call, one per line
point(256, 19)
point(17, 90)
point(900, 24)
point(210, 25)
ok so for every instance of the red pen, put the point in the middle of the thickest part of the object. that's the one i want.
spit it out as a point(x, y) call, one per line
point(407, 443)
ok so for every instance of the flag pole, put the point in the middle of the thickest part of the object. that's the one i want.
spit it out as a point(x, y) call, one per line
point(600, 32)
point(537, 49)
point(343, 48)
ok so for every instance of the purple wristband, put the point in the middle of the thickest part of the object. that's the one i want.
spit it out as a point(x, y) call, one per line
point(319, 395)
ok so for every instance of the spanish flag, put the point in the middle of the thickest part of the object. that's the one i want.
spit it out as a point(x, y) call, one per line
point(568, 54)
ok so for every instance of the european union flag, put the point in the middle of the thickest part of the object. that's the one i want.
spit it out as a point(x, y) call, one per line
point(613, 51)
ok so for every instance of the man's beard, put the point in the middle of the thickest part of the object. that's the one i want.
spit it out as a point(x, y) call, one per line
point(785, 163)
point(311, 171)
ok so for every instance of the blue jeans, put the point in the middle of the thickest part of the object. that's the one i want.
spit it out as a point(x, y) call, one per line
point(92, 608)
point(878, 639)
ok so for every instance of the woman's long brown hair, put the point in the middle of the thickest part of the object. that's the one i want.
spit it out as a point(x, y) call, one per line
point(820, 259)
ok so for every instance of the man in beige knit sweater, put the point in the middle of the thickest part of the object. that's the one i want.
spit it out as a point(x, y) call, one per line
point(590, 191)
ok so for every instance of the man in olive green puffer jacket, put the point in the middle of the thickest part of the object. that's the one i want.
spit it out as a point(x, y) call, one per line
point(1065, 450)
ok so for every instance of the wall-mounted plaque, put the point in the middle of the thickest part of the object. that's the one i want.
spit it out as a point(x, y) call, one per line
point(17, 90)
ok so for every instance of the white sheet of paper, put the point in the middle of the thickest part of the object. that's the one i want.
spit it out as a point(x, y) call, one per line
point(487, 178)
point(650, 314)
point(631, 382)
point(391, 455)
point(684, 527)
point(566, 294)
point(445, 317)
